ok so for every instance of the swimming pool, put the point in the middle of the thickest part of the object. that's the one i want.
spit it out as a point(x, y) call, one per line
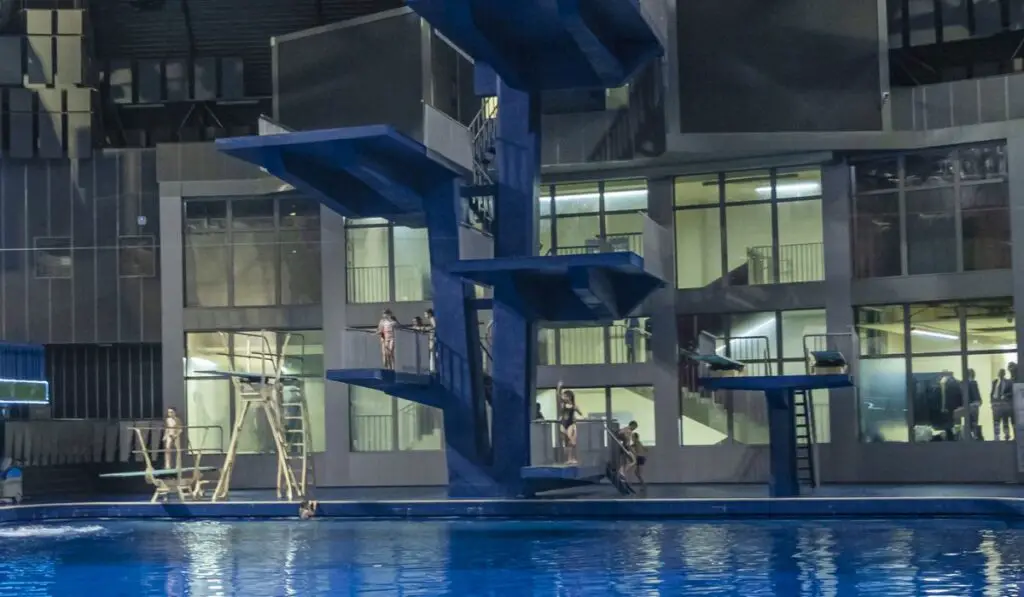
point(257, 558)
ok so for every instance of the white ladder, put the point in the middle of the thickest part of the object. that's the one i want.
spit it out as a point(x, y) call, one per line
point(297, 445)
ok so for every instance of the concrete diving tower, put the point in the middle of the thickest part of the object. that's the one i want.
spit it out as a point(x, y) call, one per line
point(539, 45)
point(745, 364)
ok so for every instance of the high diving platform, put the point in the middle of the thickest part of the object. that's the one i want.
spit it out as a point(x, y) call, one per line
point(745, 364)
point(568, 288)
point(359, 172)
point(410, 376)
point(539, 45)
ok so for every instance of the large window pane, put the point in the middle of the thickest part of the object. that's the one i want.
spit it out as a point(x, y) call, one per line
point(206, 254)
point(881, 330)
point(253, 353)
point(313, 388)
point(412, 264)
point(749, 417)
point(580, 198)
point(877, 175)
point(931, 231)
point(801, 256)
point(635, 404)
point(592, 402)
point(755, 185)
point(577, 235)
point(544, 236)
point(581, 346)
point(753, 340)
point(796, 325)
point(368, 255)
point(419, 427)
point(704, 420)
point(371, 420)
point(698, 247)
point(983, 162)
point(992, 392)
point(254, 252)
point(628, 340)
point(935, 328)
point(697, 190)
point(985, 209)
point(929, 168)
point(749, 244)
point(990, 324)
point(876, 235)
point(625, 231)
point(923, 30)
point(938, 396)
point(300, 252)
point(802, 183)
point(208, 404)
point(624, 195)
point(546, 347)
point(883, 400)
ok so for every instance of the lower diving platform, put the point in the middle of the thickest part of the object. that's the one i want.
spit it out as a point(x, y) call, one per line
point(408, 373)
point(538, 45)
point(568, 288)
point(358, 172)
point(550, 467)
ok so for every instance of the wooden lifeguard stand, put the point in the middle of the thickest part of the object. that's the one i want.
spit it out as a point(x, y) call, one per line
point(263, 385)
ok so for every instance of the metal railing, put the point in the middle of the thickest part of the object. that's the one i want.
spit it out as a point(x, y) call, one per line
point(632, 242)
point(846, 344)
point(484, 131)
point(363, 349)
point(591, 443)
point(800, 262)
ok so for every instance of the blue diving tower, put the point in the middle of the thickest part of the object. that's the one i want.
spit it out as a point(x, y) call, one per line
point(745, 364)
point(520, 50)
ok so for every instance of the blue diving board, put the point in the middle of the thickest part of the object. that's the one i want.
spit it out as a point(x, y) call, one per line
point(549, 478)
point(247, 376)
point(717, 362)
point(163, 472)
point(563, 288)
point(358, 172)
point(828, 358)
point(538, 45)
point(416, 387)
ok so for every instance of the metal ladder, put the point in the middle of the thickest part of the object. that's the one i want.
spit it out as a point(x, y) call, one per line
point(806, 460)
point(297, 443)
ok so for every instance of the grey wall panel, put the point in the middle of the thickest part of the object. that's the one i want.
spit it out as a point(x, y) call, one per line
point(325, 81)
point(79, 135)
point(21, 136)
point(176, 81)
point(149, 81)
point(232, 78)
point(70, 63)
point(966, 108)
point(10, 60)
point(83, 200)
point(204, 79)
point(787, 65)
point(70, 22)
point(202, 161)
point(20, 100)
point(992, 95)
point(50, 134)
point(39, 63)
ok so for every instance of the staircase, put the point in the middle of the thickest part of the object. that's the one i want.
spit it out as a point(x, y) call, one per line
point(806, 461)
point(478, 197)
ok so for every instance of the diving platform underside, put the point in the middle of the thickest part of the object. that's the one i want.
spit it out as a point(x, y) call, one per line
point(539, 45)
point(597, 286)
point(358, 172)
point(539, 479)
point(415, 387)
point(772, 383)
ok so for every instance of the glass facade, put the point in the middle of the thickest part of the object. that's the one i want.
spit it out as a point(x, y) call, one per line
point(749, 228)
point(622, 404)
point(381, 423)
point(386, 263)
point(212, 400)
point(252, 252)
point(933, 212)
point(936, 371)
point(576, 218)
point(626, 341)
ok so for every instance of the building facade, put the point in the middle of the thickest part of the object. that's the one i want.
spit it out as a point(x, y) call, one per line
point(831, 195)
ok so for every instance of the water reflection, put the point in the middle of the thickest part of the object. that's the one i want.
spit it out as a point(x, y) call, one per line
point(832, 558)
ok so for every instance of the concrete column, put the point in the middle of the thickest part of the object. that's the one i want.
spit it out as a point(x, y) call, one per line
point(837, 225)
point(665, 342)
point(333, 468)
point(172, 303)
point(1015, 165)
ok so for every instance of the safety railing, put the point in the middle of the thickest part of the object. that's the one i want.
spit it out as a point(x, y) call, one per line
point(632, 242)
point(846, 344)
point(56, 442)
point(799, 262)
point(365, 349)
point(628, 344)
point(547, 446)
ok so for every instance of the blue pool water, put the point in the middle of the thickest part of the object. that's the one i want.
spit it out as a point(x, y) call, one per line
point(635, 558)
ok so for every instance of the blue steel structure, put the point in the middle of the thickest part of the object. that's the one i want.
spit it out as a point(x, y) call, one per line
point(520, 49)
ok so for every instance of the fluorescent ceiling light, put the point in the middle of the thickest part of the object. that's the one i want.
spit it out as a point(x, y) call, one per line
point(789, 190)
point(931, 334)
point(1008, 347)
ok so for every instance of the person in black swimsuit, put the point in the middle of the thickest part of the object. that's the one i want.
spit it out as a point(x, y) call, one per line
point(567, 417)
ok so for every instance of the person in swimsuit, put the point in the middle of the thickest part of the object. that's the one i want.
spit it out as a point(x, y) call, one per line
point(640, 453)
point(625, 437)
point(430, 326)
point(567, 418)
point(172, 438)
point(386, 333)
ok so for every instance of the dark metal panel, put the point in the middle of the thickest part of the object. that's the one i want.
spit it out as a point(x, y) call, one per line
point(40, 60)
point(50, 134)
point(117, 381)
point(925, 288)
point(62, 311)
point(966, 109)
point(15, 254)
point(37, 187)
point(150, 210)
point(22, 139)
point(85, 305)
point(738, 299)
point(130, 305)
point(10, 66)
point(106, 199)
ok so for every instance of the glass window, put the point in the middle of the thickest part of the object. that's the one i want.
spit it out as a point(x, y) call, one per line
point(804, 183)
point(629, 340)
point(581, 346)
point(419, 427)
point(207, 398)
point(412, 264)
point(546, 347)
point(368, 256)
point(923, 28)
point(938, 393)
point(801, 255)
point(929, 168)
point(796, 325)
point(989, 410)
point(698, 247)
point(635, 404)
point(53, 257)
point(983, 163)
point(755, 185)
point(931, 231)
point(545, 205)
point(626, 231)
point(749, 412)
point(544, 236)
point(371, 420)
point(254, 252)
point(881, 330)
point(877, 175)
point(935, 328)
point(625, 195)
point(876, 236)
point(704, 419)
point(136, 256)
point(206, 253)
point(985, 209)
point(254, 353)
point(578, 234)
point(990, 325)
point(548, 404)
point(697, 190)
point(592, 402)
point(749, 244)
point(579, 198)
point(954, 19)
point(753, 340)
point(883, 400)
point(300, 252)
